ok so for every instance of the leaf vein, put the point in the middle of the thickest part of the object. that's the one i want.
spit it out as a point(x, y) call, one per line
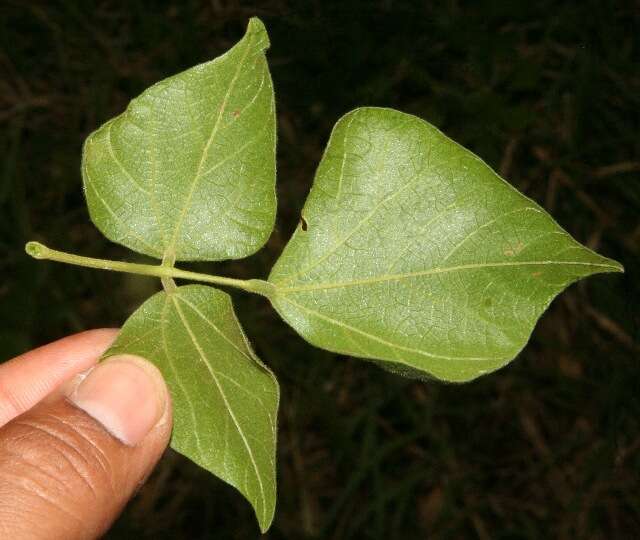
point(379, 339)
point(346, 238)
point(120, 165)
point(117, 218)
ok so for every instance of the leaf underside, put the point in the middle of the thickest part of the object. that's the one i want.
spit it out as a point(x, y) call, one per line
point(411, 252)
point(414, 253)
point(187, 172)
point(225, 401)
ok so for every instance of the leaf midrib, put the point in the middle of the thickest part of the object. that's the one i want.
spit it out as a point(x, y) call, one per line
point(176, 375)
point(433, 271)
point(169, 250)
point(228, 407)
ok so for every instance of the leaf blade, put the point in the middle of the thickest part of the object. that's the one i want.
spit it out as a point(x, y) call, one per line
point(187, 172)
point(224, 399)
point(415, 253)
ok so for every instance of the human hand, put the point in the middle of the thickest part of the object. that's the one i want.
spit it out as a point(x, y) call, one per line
point(76, 439)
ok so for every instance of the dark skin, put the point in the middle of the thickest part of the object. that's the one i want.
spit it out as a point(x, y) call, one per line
point(76, 438)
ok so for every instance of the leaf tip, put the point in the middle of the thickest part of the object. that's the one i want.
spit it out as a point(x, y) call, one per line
point(610, 266)
point(36, 250)
point(264, 527)
point(266, 519)
point(257, 28)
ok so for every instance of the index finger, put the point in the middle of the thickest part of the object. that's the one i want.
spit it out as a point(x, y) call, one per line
point(26, 379)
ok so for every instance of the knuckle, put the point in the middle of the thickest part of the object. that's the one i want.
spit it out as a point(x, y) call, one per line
point(10, 404)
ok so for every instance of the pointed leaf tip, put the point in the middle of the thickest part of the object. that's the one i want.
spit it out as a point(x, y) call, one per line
point(257, 27)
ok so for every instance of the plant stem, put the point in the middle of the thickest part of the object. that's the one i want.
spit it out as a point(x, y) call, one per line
point(40, 251)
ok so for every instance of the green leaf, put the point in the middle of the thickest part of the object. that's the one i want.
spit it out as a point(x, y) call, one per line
point(225, 401)
point(413, 252)
point(187, 172)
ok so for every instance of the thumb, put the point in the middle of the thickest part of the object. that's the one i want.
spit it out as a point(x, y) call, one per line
point(70, 464)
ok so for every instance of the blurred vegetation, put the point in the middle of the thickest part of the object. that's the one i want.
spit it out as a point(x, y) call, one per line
point(546, 92)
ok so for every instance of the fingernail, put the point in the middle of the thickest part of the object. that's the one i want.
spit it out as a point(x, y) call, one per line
point(126, 394)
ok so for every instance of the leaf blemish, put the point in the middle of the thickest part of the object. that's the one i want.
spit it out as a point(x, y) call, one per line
point(514, 250)
point(303, 224)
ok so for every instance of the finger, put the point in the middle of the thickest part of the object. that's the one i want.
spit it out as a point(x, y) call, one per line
point(27, 379)
point(67, 467)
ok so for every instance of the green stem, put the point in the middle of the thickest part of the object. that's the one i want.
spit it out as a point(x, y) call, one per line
point(40, 251)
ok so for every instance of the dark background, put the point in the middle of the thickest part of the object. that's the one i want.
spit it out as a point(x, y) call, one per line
point(546, 92)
